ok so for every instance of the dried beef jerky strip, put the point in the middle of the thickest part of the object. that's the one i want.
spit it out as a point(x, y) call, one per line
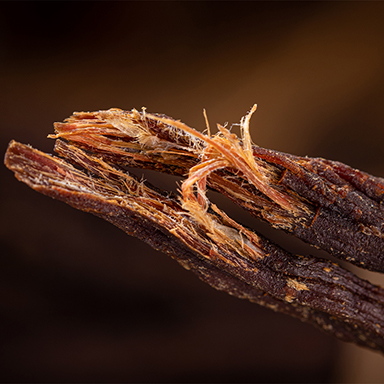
point(316, 291)
point(340, 210)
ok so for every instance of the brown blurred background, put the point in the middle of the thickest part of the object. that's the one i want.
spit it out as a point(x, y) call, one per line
point(80, 300)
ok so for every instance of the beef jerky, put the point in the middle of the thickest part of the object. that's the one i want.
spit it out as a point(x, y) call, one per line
point(206, 241)
point(324, 203)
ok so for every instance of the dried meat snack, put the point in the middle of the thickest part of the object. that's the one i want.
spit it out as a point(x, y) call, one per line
point(326, 204)
point(322, 202)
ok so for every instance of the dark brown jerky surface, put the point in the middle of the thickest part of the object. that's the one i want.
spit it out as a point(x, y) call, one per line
point(313, 290)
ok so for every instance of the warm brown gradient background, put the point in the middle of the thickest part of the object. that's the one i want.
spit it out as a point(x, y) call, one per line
point(80, 300)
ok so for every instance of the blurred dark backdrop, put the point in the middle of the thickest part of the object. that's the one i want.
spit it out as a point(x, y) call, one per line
point(80, 300)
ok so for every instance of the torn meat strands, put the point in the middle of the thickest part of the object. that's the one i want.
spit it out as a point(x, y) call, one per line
point(225, 150)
